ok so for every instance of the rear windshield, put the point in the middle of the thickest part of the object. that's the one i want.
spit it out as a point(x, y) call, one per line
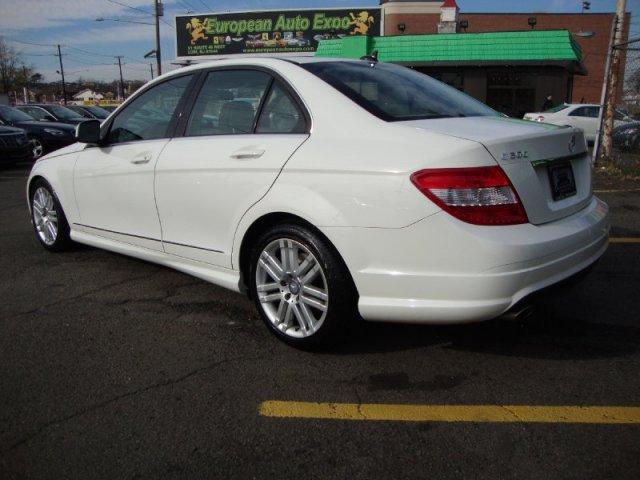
point(395, 93)
point(559, 108)
point(63, 112)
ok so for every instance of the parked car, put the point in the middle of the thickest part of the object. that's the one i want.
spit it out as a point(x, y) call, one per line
point(406, 201)
point(109, 108)
point(584, 116)
point(43, 136)
point(627, 137)
point(14, 145)
point(51, 113)
point(90, 111)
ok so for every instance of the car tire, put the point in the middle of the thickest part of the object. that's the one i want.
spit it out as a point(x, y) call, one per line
point(49, 221)
point(306, 297)
point(37, 147)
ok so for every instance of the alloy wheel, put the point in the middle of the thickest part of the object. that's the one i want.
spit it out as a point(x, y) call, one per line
point(292, 288)
point(45, 216)
point(37, 149)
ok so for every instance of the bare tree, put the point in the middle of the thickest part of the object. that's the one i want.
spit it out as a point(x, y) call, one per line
point(10, 63)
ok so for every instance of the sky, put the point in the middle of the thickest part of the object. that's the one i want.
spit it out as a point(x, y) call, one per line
point(89, 47)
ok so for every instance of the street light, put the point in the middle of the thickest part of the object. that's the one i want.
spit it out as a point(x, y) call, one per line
point(158, 11)
point(102, 19)
point(585, 34)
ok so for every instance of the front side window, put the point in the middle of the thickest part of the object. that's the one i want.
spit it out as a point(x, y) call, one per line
point(148, 116)
point(395, 93)
point(280, 114)
point(228, 103)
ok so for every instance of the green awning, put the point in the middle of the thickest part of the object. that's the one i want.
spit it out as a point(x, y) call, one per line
point(537, 47)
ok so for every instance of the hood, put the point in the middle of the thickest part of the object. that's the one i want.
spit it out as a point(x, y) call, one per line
point(73, 148)
point(58, 125)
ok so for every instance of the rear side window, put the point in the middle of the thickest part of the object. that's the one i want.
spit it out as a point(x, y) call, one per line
point(228, 103)
point(37, 113)
point(281, 114)
point(149, 115)
point(589, 112)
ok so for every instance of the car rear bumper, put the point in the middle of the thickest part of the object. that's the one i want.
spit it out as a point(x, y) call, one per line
point(441, 270)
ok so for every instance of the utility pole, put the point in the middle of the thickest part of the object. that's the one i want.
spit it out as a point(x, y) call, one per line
point(151, 69)
point(159, 11)
point(612, 93)
point(121, 89)
point(25, 89)
point(64, 88)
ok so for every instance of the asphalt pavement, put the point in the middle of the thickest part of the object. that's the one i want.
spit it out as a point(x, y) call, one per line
point(113, 368)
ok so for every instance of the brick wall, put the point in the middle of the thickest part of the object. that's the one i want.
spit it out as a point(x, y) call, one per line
point(594, 50)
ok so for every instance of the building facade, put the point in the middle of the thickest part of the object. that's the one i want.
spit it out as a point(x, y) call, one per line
point(517, 87)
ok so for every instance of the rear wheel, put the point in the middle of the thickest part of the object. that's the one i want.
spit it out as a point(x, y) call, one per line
point(49, 222)
point(301, 287)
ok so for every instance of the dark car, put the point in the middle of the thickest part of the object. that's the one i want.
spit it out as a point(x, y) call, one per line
point(51, 113)
point(627, 137)
point(14, 145)
point(110, 108)
point(43, 136)
point(90, 111)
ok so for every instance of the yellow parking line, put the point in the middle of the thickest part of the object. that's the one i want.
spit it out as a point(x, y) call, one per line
point(623, 190)
point(452, 413)
point(624, 239)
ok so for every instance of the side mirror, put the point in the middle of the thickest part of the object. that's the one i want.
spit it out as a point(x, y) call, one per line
point(88, 132)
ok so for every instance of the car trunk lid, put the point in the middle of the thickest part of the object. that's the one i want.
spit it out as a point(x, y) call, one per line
point(530, 154)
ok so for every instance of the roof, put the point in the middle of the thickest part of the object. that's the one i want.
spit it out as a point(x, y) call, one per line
point(532, 46)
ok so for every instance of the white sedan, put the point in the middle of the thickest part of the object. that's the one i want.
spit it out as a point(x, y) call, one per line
point(578, 115)
point(326, 189)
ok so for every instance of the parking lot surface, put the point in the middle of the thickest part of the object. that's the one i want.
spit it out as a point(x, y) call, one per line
point(115, 368)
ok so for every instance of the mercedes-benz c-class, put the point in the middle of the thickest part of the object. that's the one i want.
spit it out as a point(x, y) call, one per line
point(328, 190)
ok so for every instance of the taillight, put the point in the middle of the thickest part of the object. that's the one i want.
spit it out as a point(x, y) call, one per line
point(540, 118)
point(478, 195)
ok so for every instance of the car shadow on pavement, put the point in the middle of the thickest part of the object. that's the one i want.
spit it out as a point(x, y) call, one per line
point(544, 335)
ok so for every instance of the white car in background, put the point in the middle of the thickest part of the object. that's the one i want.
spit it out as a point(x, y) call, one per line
point(577, 115)
point(349, 187)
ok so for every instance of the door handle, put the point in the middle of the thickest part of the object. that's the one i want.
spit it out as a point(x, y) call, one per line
point(247, 154)
point(141, 161)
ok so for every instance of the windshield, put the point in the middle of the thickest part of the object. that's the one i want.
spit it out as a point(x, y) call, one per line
point(63, 112)
point(9, 114)
point(559, 108)
point(97, 111)
point(395, 93)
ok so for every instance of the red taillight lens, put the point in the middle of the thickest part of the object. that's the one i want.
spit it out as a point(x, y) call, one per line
point(479, 195)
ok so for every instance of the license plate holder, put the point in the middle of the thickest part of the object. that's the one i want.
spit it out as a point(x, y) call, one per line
point(563, 183)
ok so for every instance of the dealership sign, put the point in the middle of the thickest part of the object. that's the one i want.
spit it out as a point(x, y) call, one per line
point(286, 31)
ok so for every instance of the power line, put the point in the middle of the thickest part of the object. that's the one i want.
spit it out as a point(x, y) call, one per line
point(139, 10)
point(32, 43)
point(130, 7)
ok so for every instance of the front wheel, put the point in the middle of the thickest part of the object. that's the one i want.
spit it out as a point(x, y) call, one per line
point(37, 148)
point(301, 287)
point(49, 222)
